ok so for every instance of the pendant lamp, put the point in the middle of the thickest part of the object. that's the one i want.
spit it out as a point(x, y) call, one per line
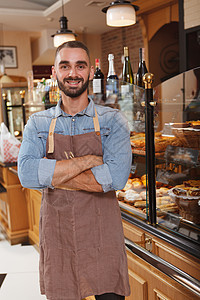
point(64, 34)
point(120, 13)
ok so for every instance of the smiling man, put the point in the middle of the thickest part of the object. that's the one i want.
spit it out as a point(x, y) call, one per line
point(78, 153)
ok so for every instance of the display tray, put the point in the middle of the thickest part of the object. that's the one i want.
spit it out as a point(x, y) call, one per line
point(132, 209)
point(143, 153)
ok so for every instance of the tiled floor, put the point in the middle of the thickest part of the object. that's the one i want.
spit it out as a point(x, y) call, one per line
point(19, 278)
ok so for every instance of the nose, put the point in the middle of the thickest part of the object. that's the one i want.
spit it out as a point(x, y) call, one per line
point(72, 72)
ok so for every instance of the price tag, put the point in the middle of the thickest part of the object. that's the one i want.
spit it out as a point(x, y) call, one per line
point(133, 168)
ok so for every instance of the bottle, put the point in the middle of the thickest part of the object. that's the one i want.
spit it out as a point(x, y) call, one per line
point(98, 83)
point(112, 84)
point(127, 74)
point(142, 69)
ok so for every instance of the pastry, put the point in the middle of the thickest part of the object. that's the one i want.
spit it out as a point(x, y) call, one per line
point(194, 124)
point(128, 185)
point(163, 200)
point(120, 195)
point(131, 196)
point(163, 191)
point(137, 183)
point(194, 183)
point(179, 191)
point(144, 181)
point(194, 192)
point(143, 195)
point(140, 204)
point(180, 125)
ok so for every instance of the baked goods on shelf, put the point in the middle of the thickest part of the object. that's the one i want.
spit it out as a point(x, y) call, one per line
point(194, 124)
point(161, 143)
point(131, 196)
point(188, 134)
point(188, 200)
point(192, 182)
point(135, 194)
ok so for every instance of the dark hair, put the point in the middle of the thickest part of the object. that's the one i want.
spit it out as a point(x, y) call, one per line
point(72, 44)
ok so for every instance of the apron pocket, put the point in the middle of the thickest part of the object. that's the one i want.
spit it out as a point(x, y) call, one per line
point(58, 230)
point(88, 222)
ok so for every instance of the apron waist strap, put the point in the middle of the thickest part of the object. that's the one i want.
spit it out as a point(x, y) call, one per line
point(62, 187)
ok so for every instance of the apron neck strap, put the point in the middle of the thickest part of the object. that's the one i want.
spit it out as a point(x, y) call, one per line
point(51, 136)
point(52, 128)
point(96, 122)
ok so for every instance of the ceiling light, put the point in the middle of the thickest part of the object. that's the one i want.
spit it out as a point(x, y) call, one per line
point(120, 13)
point(64, 34)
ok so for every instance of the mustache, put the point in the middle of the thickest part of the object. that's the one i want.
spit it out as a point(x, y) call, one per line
point(72, 78)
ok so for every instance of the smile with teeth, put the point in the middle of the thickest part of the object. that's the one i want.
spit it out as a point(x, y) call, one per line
point(73, 82)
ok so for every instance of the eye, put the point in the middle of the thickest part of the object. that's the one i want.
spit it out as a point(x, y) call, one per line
point(64, 67)
point(81, 67)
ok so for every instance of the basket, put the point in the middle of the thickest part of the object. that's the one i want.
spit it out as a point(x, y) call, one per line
point(189, 207)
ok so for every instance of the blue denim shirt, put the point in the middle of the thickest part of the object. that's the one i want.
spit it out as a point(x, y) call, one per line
point(36, 172)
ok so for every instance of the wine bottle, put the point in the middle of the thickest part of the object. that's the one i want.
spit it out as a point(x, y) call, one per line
point(142, 68)
point(127, 75)
point(98, 83)
point(112, 84)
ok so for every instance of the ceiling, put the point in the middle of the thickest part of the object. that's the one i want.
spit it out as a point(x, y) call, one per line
point(37, 15)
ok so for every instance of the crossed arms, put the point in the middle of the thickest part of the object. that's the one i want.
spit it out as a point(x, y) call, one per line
point(75, 173)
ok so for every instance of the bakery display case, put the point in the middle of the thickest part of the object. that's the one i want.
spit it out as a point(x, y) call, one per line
point(176, 158)
point(160, 204)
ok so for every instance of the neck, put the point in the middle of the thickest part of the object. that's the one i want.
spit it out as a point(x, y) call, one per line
point(72, 106)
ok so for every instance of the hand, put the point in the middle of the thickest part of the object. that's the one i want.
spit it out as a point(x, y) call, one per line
point(93, 160)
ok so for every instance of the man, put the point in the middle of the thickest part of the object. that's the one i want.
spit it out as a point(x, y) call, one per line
point(79, 154)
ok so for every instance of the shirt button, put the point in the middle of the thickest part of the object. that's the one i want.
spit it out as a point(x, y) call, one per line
point(73, 119)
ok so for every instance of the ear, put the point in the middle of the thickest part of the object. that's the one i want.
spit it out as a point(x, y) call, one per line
point(53, 72)
point(91, 73)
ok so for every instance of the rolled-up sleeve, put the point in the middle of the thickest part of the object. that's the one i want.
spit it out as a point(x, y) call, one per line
point(117, 156)
point(34, 171)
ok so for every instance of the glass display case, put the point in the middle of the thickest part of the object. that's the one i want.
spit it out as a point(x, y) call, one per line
point(17, 105)
point(12, 109)
point(163, 190)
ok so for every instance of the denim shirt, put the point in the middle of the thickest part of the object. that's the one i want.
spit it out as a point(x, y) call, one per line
point(36, 172)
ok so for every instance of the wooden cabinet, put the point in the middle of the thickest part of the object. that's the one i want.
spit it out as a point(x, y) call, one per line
point(33, 202)
point(13, 207)
point(180, 259)
point(147, 283)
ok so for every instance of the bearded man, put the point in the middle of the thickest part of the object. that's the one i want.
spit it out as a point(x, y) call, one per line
point(78, 154)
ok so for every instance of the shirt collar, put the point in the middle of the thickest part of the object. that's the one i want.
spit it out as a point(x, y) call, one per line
point(89, 110)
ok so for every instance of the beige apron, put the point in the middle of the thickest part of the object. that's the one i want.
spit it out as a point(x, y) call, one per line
point(82, 250)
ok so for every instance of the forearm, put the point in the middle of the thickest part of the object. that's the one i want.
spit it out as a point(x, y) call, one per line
point(65, 170)
point(85, 182)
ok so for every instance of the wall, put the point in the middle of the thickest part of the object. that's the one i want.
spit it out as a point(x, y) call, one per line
point(22, 40)
point(93, 42)
point(191, 13)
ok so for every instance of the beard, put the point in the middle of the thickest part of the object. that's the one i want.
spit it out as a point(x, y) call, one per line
point(73, 92)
